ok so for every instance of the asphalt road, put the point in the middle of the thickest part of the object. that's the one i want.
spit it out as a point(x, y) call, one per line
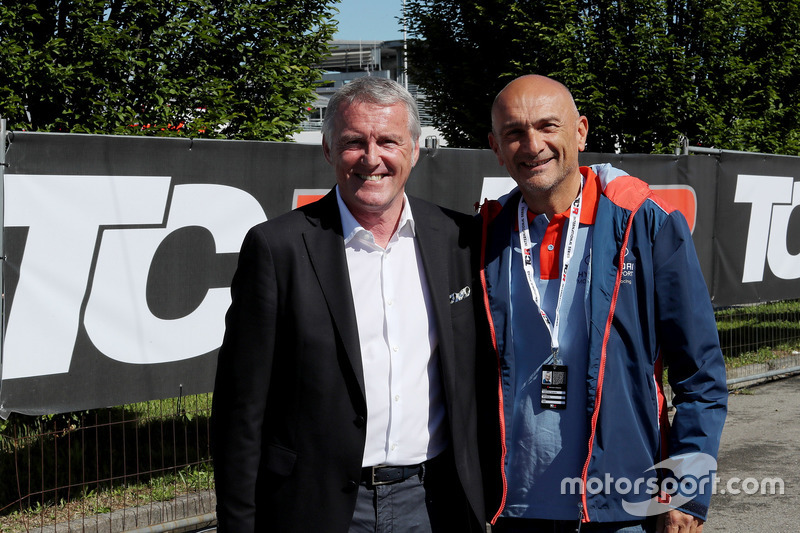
point(761, 440)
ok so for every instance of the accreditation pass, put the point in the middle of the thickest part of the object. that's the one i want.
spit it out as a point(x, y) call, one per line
point(554, 387)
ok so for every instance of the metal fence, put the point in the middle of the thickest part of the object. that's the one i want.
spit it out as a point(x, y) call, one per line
point(146, 467)
point(143, 466)
point(763, 340)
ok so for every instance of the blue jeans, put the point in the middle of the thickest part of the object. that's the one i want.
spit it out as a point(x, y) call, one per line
point(432, 502)
point(391, 508)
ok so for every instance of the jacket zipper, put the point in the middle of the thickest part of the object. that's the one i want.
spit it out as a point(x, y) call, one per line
point(485, 219)
point(601, 375)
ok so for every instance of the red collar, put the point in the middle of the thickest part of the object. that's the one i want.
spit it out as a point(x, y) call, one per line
point(550, 250)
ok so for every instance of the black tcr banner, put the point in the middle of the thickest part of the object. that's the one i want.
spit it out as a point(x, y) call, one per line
point(119, 250)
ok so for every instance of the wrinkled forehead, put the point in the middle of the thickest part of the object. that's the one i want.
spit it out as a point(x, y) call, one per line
point(360, 114)
point(528, 107)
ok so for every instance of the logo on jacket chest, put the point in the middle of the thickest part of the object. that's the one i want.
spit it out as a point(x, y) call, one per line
point(628, 268)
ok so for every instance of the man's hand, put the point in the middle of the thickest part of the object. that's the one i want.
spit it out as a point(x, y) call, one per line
point(679, 522)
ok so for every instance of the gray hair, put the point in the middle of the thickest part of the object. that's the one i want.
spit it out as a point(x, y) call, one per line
point(371, 90)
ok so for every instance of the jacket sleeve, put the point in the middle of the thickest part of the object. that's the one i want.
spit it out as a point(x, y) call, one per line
point(689, 343)
point(242, 384)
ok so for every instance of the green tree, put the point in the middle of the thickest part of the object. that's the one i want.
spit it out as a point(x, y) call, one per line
point(724, 73)
point(467, 51)
point(634, 67)
point(747, 61)
point(238, 69)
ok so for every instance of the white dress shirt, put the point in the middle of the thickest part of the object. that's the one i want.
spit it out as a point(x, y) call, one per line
point(397, 332)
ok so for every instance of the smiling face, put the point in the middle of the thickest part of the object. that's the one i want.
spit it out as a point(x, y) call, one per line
point(372, 153)
point(537, 134)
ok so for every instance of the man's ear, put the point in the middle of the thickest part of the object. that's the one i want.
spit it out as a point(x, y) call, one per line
point(326, 150)
point(583, 131)
point(415, 155)
point(495, 148)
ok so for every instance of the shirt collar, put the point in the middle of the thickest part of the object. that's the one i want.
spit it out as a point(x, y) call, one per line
point(351, 227)
point(589, 201)
point(589, 198)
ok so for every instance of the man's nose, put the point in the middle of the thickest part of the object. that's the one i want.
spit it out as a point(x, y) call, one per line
point(371, 156)
point(533, 141)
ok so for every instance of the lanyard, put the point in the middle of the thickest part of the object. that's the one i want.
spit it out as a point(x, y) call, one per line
point(527, 264)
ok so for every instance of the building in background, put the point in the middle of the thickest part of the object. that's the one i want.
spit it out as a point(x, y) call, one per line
point(349, 60)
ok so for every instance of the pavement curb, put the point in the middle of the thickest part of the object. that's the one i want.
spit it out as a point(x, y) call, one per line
point(188, 512)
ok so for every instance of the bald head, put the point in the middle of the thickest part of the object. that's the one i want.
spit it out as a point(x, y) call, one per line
point(530, 87)
point(536, 134)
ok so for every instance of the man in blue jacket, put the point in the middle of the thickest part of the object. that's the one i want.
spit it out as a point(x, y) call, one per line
point(592, 287)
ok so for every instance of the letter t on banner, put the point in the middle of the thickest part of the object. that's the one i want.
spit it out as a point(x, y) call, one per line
point(64, 215)
point(762, 192)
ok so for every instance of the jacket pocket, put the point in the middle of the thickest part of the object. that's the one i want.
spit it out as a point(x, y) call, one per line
point(279, 460)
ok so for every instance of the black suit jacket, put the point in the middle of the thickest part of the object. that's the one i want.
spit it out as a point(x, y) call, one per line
point(289, 409)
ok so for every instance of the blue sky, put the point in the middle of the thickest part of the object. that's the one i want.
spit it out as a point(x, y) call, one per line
point(369, 20)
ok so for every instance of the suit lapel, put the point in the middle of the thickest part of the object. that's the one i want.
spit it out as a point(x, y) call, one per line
point(325, 246)
point(434, 249)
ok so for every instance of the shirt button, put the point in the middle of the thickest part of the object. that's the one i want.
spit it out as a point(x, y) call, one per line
point(397, 397)
point(389, 302)
point(394, 447)
point(550, 247)
point(395, 348)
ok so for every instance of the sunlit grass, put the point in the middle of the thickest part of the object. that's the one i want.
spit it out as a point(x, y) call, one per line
point(97, 501)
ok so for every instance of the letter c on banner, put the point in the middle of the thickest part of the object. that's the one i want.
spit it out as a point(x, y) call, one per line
point(118, 319)
point(782, 262)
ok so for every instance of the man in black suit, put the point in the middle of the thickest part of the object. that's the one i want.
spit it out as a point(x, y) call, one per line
point(345, 390)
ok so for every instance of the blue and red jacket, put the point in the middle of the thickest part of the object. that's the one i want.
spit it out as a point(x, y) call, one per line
point(648, 307)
